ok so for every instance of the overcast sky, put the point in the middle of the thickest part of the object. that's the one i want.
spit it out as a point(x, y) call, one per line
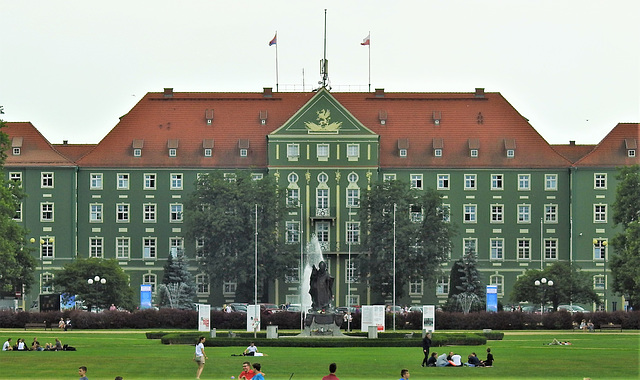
point(73, 68)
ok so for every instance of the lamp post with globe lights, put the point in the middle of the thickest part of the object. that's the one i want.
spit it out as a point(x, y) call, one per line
point(544, 284)
point(99, 283)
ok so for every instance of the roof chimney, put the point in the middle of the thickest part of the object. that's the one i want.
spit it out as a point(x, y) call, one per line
point(379, 92)
point(479, 92)
point(572, 142)
point(168, 92)
point(65, 142)
point(267, 92)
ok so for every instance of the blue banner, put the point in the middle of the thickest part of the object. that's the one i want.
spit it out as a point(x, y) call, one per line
point(492, 298)
point(145, 296)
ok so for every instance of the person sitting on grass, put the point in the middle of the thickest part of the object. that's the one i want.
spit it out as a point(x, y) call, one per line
point(473, 360)
point(7, 345)
point(442, 360)
point(433, 359)
point(489, 361)
point(456, 360)
point(251, 350)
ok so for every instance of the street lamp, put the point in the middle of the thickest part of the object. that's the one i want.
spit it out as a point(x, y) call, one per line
point(97, 280)
point(544, 284)
point(601, 245)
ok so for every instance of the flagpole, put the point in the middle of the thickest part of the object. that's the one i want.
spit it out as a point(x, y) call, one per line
point(369, 61)
point(277, 81)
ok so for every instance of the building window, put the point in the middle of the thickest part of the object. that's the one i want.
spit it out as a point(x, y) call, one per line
point(172, 152)
point(497, 182)
point(353, 232)
point(437, 152)
point(323, 152)
point(598, 282)
point(137, 152)
point(442, 286)
point(416, 214)
point(402, 152)
point(351, 272)
point(416, 181)
point(202, 283)
point(95, 247)
point(46, 180)
point(176, 181)
point(96, 181)
point(229, 287)
point(292, 234)
point(293, 197)
point(470, 245)
point(353, 197)
point(322, 198)
point(551, 249)
point(498, 281)
point(46, 247)
point(474, 153)
point(149, 248)
point(46, 212)
point(322, 232)
point(524, 181)
point(230, 177)
point(323, 178)
point(497, 213)
point(123, 248)
point(445, 210)
point(122, 213)
point(600, 213)
point(352, 178)
point(524, 249)
point(524, 213)
point(511, 153)
point(470, 182)
point(176, 246)
point(207, 152)
point(149, 181)
point(550, 213)
point(631, 153)
point(443, 182)
point(470, 213)
point(293, 152)
point(46, 282)
point(353, 151)
point(18, 215)
point(15, 176)
point(123, 181)
point(95, 213)
point(292, 178)
point(415, 287)
point(551, 182)
point(600, 181)
point(200, 252)
point(175, 215)
point(599, 249)
point(244, 152)
point(256, 176)
point(149, 213)
point(497, 249)
point(16, 151)
point(150, 279)
point(388, 177)
point(292, 275)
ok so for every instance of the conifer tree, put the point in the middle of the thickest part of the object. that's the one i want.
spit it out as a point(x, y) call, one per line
point(178, 288)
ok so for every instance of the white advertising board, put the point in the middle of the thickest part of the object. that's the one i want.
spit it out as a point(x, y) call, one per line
point(372, 315)
point(429, 318)
point(253, 317)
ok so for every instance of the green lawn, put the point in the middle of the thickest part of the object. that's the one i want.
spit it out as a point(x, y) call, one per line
point(521, 355)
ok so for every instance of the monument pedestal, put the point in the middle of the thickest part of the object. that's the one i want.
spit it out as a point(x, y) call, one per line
point(322, 324)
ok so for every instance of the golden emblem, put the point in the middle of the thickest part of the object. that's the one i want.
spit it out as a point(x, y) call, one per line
point(324, 125)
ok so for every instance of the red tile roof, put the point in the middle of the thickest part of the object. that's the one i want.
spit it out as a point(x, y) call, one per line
point(35, 150)
point(573, 152)
point(612, 150)
point(485, 117)
point(74, 151)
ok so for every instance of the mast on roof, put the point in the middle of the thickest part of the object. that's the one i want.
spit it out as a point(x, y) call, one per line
point(324, 63)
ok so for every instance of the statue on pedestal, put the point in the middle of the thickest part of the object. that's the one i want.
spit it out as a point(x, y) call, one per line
point(320, 287)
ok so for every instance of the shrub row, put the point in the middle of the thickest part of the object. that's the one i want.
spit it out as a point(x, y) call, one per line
point(187, 319)
point(384, 340)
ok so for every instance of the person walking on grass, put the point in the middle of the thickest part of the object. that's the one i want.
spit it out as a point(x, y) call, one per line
point(82, 371)
point(259, 374)
point(200, 356)
point(426, 345)
point(404, 374)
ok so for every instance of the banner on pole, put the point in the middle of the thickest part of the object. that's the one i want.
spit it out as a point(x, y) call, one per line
point(145, 296)
point(492, 298)
point(429, 318)
point(204, 317)
point(253, 317)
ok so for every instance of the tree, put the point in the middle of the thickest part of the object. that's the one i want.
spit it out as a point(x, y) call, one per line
point(17, 265)
point(570, 285)
point(178, 288)
point(73, 280)
point(221, 214)
point(625, 263)
point(422, 236)
point(467, 280)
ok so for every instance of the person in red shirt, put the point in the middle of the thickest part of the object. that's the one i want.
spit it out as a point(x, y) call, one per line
point(247, 373)
point(332, 372)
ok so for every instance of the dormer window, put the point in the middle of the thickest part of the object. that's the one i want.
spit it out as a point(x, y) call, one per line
point(173, 147)
point(16, 145)
point(263, 117)
point(172, 152)
point(137, 147)
point(207, 146)
point(510, 147)
point(382, 116)
point(631, 145)
point(437, 117)
point(438, 146)
point(208, 116)
point(474, 147)
point(403, 147)
point(243, 146)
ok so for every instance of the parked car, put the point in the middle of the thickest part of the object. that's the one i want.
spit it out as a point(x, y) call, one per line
point(294, 308)
point(344, 309)
point(572, 309)
point(238, 307)
point(416, 308)
point(269, 308)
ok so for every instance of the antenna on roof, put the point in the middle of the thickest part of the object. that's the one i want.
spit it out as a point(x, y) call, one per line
point(324, 63)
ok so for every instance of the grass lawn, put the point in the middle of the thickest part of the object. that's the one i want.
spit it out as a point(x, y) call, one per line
point(521, 355)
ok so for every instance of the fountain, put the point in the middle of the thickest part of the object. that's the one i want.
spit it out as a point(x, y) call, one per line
point(317, 294)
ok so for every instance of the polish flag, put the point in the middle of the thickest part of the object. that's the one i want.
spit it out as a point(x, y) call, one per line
point(366, 41)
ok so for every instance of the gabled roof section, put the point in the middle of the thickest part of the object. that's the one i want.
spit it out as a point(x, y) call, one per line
point(35, 150)
point(573, 152)
point(613, 149)
point(74, 151)
point(322, 115)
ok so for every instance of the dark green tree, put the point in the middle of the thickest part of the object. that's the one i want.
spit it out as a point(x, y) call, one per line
point(570, 285)
point(422, 236)
point(625, 262)
point(16, 262)
point(178, 289)
point(73, 280)
point(468, 282)
point(222, 212)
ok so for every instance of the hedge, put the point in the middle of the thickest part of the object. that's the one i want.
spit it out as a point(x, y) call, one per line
point(188, 319)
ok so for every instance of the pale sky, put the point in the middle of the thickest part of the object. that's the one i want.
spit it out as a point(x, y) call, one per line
point(72, 68)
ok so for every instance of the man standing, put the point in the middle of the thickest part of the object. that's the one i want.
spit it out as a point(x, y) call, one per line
point(426, 345)
point(332, 372)
point(404, 374)
point(82, 371)
point(247, 373)
point(7, 345)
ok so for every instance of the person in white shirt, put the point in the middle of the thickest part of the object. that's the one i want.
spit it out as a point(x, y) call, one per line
point(7, 345)
point(251, 350)
point(200, 356)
